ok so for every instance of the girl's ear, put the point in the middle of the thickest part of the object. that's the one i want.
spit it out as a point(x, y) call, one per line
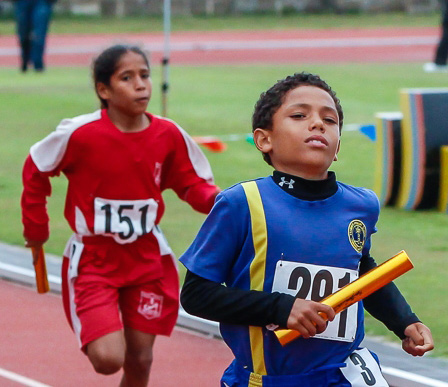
point(262, 140)
point(102, 90)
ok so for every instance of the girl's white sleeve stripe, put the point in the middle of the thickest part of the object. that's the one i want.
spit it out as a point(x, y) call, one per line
point(48, 153)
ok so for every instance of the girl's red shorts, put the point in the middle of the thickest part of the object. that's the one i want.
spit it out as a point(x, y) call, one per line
point(107, 286)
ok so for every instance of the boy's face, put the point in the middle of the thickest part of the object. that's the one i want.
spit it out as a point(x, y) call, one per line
point(304, 139)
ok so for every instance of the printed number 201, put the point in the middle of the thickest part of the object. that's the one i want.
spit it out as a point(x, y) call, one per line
point(323, 280)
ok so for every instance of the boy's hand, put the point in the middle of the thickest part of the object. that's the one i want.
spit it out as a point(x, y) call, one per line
point(305, 317)
point(418, 339)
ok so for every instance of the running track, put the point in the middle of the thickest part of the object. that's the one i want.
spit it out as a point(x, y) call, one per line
point(232, 47)
point(39, 350)
point(37, 343)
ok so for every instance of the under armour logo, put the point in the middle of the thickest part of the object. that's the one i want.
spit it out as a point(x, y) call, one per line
point(290, 183)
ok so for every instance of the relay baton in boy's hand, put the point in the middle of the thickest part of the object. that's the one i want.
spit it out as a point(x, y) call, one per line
point(41, 270)
point(357, 290)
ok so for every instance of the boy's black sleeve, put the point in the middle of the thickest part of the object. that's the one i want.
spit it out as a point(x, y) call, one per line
point(387, 304)
point(213, 301)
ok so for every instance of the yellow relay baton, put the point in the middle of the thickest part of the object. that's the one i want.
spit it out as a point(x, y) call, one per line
point(355, 291)
point(41, 271)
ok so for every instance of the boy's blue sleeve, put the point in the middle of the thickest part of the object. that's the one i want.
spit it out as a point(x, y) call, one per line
point(218, 243)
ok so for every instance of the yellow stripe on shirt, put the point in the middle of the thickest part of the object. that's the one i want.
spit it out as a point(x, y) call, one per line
point(257, 267)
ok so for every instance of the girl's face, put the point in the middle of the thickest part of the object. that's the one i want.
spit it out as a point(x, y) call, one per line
point(130, 86)
point(304, 139)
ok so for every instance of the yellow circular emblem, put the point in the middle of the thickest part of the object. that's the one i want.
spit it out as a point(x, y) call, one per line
point(357, 232)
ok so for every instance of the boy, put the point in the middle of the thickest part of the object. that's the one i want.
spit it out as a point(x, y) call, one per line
point(282, 243)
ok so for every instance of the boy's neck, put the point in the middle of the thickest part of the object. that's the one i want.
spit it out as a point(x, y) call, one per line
point(306, 189)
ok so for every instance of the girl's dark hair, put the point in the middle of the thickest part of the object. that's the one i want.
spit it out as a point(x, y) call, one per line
point(105, 65)
point(271, 100)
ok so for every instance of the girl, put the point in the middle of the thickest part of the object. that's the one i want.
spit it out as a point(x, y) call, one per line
point(120, 283)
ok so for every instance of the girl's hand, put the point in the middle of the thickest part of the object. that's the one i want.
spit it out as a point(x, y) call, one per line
point(306, 317)
point(418, 339)
point(35, 247)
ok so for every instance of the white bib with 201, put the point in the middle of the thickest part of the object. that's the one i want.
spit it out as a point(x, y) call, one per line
point(315, 282)
point(125, 220)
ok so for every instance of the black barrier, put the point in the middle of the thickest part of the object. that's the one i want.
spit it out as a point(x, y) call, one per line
point(388, 157)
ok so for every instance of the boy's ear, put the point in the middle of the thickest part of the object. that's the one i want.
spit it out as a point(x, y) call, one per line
point(262, 140)
point(337, 151)
point(102, 90)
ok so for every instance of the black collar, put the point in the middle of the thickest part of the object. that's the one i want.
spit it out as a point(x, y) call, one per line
point(306, 189)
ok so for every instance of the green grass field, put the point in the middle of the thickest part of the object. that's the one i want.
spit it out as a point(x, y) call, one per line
point(31, 106)
point(93, 24)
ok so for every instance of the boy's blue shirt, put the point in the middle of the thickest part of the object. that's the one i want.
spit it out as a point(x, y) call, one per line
point(299, 232)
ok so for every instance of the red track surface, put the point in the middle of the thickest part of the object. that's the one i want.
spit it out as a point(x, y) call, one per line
point(36, 342)
point(302, 46)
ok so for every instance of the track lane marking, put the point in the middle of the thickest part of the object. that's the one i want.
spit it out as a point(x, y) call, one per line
point(21, 379)
point(425, 381)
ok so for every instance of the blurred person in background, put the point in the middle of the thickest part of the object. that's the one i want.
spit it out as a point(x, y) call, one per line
point(440, 60)
point(32, 19)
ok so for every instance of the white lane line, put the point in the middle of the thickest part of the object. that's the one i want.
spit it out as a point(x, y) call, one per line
point(21, 379)
point(421, 380)
point(27, 272)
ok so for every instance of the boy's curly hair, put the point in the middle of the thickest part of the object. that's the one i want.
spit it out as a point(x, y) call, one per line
point(271, 100)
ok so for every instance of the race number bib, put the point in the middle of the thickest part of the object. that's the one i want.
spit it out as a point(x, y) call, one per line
point(315, 282)
point(362, 370)
point(124, 220)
